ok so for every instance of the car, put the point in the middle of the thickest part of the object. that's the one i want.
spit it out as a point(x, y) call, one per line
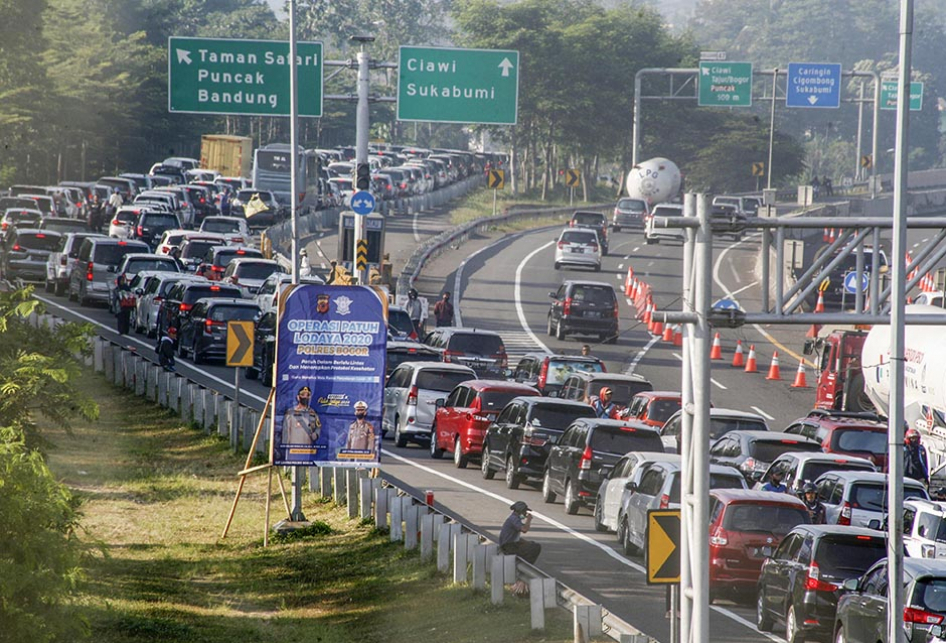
point(250, 273)
point(518, 441)
point(858, 498)
point(800, 583)
point(482, 350)
point(745, 206)
point(203, 333)
point(219, 257)
point(151, 287)
point(653, 408)
point(585, 386)
point(183, 203)
point(578, 247)
point(171, 239)
point(142, 181)
point(658, 487)
point(194, 249)
point(273, 212)
point(845, 433)
point(400, 326)
point(654, 233)
point(25, 252)
point(753, 451)
point(411, 394)
point(548, 373)
point(924, 529)
point(264, 347)
point(629, 213)
point(62, 226)
point(583, 307)
point(627, 469)
point(13, 217)
point(93, 273)
point(151, 226)
point(132, 264)
point(862, 609)
point(799, 467)
point(123, 222)
point(59, 263)
point(234, 229)
point(398, 352)
point(726, 219)
point(180, 300)
point(745, 528)
point(461, 420)
point(722, 421)
point(273, 285)
point(597, 222)
point(585, 454)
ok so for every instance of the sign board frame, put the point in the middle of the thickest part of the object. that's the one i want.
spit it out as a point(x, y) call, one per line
point(240, 340)
point(660, 548)
point(730, 71)
point(795, 97)
point(888, 94)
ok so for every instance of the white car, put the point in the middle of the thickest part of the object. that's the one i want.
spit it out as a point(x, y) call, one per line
point(654, 233)
point(578, 247)
point(722, 421)
point(59, 264)
point(411, 394)
point(171, 239)
point(234, 229)
point(122, 225)
point(608, 501)
point(268, 293)
point(151, 287)
point(249, 273)
point(924, 529)
point(856, 498)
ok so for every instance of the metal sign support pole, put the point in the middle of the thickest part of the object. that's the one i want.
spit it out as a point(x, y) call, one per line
point(860, 130)
point(674, 610)
point(768, 169)
point(234, 417)
point(361, 152)
point(495, 191)
point(686, 432)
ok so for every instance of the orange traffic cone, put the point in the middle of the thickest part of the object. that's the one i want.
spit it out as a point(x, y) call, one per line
point(716, 352)
point(819, 305)
point(824, 236)
point(774, 372)
point(629, 281)
point(750, 362)
point(737, 359)
point(831, 236)
point(800, 381)
point(648, 314)
point(678, 336)
point(668, 333)
point(631, 290)
point(658, 326)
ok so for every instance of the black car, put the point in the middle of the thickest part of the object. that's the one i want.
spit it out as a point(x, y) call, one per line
point(25, 252)
point(753, 451)
point(177, 305)
point(584, 307)
point(481, 350)
point(264, 348)
point(596, 221)
point(834, 293)
point(151, 226)
point(587, 452)
point(801, 583)
point(398, 351)
point(726, 220)
point(218, 258)
point(203, 333)
point(549, 372)
point(63, 225)
point(519, 439)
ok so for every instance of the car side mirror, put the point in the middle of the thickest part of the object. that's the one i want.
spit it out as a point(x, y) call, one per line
point(440, 403)
point(849, 585)
point(630, 486)
point(139, 292)
point(552, 295)
point(756, 475)
point(809, 347)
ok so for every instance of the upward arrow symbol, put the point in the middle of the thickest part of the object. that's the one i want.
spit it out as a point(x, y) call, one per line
point(183, 56)
point(505, 65)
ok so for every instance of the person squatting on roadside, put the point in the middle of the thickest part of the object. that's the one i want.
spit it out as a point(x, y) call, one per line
point(512, 543)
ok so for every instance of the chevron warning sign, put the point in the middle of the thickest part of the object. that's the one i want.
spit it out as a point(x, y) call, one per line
point(573, 178)
point(758, 169)
point(663, 546)
point(361, 260)
point(496, 179)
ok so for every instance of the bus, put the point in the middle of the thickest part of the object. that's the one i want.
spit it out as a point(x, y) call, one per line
point(271, 165)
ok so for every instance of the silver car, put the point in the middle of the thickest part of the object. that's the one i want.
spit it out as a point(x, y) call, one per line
point(857, 498)
point(59, 264)
point(94, 268)
point(627, 469)
point(411, 394)
point(654, 233)
point(578, 247)
point(152, 287)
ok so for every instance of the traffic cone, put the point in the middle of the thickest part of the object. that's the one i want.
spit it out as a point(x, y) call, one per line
point(668, 333)
point(774, 372)
point(800, 381)
point(716, 352)
point(831, 236)
point(819, 305)
point(658, 326)
point(648, 314)
point(750, 362)
point(678, 336)
point(737, 359)
point(824, 236)
point(629, 281)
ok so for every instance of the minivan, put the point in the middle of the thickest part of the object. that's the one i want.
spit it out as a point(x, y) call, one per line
point(584, 307)
point(411, 394)
point(94, 269)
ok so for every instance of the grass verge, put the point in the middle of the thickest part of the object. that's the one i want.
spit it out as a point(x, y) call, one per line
point(155, 498)
point(479, 204)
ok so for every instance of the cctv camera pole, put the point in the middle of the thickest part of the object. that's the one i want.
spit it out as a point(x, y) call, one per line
point(361, 149)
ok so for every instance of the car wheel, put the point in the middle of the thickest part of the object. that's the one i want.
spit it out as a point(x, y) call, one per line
point(399, 439)
point(547, 494)
point(73, 296)
point(617, 228)
point(571, 500)
point(181, 351)
point(630, 549)
point(198, 357)
point(559, 331)
point(839, 635)
point(512, 476)
point(59, 289)
point(83, 300)
point(435, 452)
point(549, 329)
point(558, 266)
point(611, 338)
point(792, 633)
point(48, 287)
point(487, 471)
point(599, 523)
point(460, 459)
point(762, 620)
point(266, 375)
point(598, 267)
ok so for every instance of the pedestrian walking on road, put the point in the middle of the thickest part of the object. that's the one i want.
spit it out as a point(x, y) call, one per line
point(415, 310)
point(443, 311)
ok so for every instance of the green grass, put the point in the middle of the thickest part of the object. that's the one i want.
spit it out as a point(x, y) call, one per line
point(479, 204)
point(155, 499)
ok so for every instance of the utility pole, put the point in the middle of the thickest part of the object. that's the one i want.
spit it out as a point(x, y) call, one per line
point(362, 176)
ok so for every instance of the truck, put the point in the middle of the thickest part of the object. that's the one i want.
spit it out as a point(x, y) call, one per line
point(656, 180)
point(229, 155)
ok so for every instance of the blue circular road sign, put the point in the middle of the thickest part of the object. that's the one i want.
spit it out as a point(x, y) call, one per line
point(362, 202)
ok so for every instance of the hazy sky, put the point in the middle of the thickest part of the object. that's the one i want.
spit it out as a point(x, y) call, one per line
point(276, 6)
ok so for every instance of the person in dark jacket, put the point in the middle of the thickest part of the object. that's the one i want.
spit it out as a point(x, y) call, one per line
point(916, 464)
point(816, 510)
point(126, 303)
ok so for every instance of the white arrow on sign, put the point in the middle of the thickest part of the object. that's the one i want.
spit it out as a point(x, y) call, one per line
point(706, 71)
point(506, 66)
point(183, 56)
point(812, 100)
point(359, 203)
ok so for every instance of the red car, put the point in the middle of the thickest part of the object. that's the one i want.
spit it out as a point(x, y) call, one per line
point(745, 527)
point(461, 420)
point(653, 408)
point(846, 433)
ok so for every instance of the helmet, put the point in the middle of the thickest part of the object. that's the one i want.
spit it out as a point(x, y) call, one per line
point(808, 488)
point(412, 293)
point(519, 507)
point(361, 404)
point(912, 433)
point(605, 390)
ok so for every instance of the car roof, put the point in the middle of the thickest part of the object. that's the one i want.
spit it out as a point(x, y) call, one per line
point(769, 436)
point(619, 424)
point(829, 530)
point(930, 505)
point(869, 476)
point(241, 260)
point(924, 567)
point(502, 385)
point(131, 256)
point(593, 376)
point(582, 282)
point(658, 394)
point(48, 233)
point(228, 301)
point(539, 400)
point(457, 331)
point(441, 366)
point(420, 348)
point(119, 242)
point(754, 495)
point(808, 456)
point(734, 413)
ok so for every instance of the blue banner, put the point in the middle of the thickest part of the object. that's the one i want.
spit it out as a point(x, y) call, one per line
point(330, 351)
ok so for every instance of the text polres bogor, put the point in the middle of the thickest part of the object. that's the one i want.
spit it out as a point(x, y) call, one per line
point(336, 337)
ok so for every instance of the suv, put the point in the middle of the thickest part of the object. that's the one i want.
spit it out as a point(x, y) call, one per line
point(14, 217)
point(629, 213)
point(584, 386)
point(857, 434)
point(481, 350)
point(59, 263)
point(586, 307)
point(411, 394)
point(518, 441)
point(177, 305)
point(726, 219)
point(924, 529)
point(398, 352)
point(63, 226)
point(860, 497)
point(653, 234)
point(94, 269)
point(461, 420)
point(250, 273)
point(269, 290)
point(548, 372)
point(152, 225)
point(597, 222)
point(722, 421)
point(151, 287)
point(653, 408)
point(800, 584)
point(203, 333)
point(219, 257)
point(585, 454)
point(25, 252)
point(132, 264)
point(753, 451)
point(195, 248)
point(612, 489)
point(233, 228)
point(578, 247)
point(745, 206)
point(797, 468)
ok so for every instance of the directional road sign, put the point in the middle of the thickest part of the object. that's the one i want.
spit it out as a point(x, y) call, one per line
point(362, 202)
point(572, 178)
point(866, 161)
point(496, 180)
point(361, 259)
point(758, 169)
point(726, 304)
point(725, 84)
point(449, 85)
point(240, 343)
point(663, 546)
point(850, 282)
point(813, 85)
point(888, 95)
point(218, 76)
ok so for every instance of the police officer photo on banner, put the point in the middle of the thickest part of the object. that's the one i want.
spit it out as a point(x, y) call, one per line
point(330, 353)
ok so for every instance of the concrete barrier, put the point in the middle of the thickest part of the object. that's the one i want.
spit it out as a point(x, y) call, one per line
point(411, 526)
point(210, 399)
point(461, 557)
point(396, 518)
point(381, 497)
point(98, 352)
point(542, 597)
point(479, 567)
point(224, 411)
point(587, 620)
point(325, 475)
point(338, 485)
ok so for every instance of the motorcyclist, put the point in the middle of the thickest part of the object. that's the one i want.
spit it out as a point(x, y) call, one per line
point(915, 462)
point(816, 510)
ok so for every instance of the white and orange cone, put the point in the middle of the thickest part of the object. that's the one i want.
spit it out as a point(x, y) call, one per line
point(774, 372)
point(678, 335)
point(668, 333)
point(800, 380)
point(751, 366)
point(738, 360)
point(716, 352)
point(819, 306)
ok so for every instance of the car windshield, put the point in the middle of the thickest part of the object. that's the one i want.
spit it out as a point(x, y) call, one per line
point(776, 519)
point(593, 295)
point(632, 205)
point(558, 417)
point(221, 226)
point(560, 369)
point(128, 216)
point(579, 236)
point(621, 390)
point(137, 265)
point(849, 556)
point(198, 249)
point(667, 212)
point(620, 440)
point(872, 496)
point(768, 450)
point(930, 595)
point(161, 220)
point(720, 426)
point(210, 292)
point(444, 381)
point(494, 401)
point(813, 470)
point(233, 313)
point(224, 257)
point(38, 241)
point(22, 217)
point(257, 270)
point(400, 321)
point(874, 442)
point(931, 526)
point(111, 254)
point(661, 410)
point(476, 344)
point(717, 481)
point(588, 219)
point(397, 356)
point(64, 225)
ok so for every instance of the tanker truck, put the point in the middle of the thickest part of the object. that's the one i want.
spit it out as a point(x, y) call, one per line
point(656, 180)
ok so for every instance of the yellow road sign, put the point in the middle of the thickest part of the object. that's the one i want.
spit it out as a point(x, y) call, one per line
point(361, 260)
point(758, 169)
point(825, 283)
point(496, 179)
point(866, 161)
point(573, 178)
point(663, 546)
point(240, 343)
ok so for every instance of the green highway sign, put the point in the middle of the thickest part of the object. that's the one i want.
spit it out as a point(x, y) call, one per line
point(448, 85)
point(725, 84)
point(250, 77)
point(888, 95)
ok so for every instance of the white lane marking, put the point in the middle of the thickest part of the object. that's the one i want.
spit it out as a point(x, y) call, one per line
point(517, 295)
point(712, 381)
point(761, 412)
point(414, 227)
point(640, 355)
point(621, 266)
point(746, 287)
point(735, 274)
point(636, 248)
point(650, 263)
point(457, 280)
point(725, 612)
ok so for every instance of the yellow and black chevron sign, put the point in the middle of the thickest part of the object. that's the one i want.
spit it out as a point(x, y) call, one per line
point(361, 260)
point(866, 161)
point(662, 551)
point(496, 179)
point(758, 169)
point(572, 178)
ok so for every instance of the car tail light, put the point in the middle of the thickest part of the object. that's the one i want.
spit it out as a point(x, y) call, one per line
point(89, 269)
point(185, 307)
point(122, 243)
point(543, 373)
point(214, 288)
point(616, 310)
point(585, 461)
point(17, 247)
point(140, 231)
point(412, 396)
point(629, 429)
point(561, 244)
point(40, 235)
point(413, 335)
point(210, 324)
point(844, 518)
point(165, 250)
point(116, 222)
point(567, 307)
point(63, 260)
point(789, 441)
point(664, 501)
point(529, 438)
point(813, 581)
point(203, 200)
point(237, 240)
point(157, 300)
point(217, 268)
point(5, 225)
point(922, 617)
point(721, 539)
point(449, 355)
point(594, 247)
point(500, 356)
